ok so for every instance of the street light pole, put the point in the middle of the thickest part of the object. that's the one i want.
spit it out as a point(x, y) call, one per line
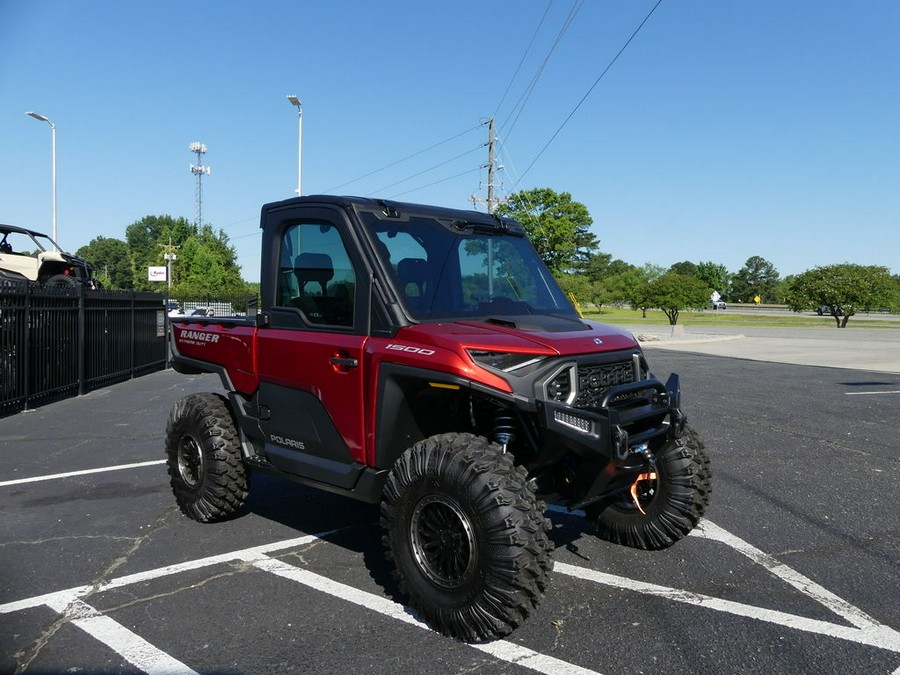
point(296, 102)
point(41, 118)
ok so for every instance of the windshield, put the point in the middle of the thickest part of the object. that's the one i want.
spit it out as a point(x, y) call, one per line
point(455, 271)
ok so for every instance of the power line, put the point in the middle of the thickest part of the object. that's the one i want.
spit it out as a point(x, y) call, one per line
point(437, 182)
point(399, 161)
point(522, 60)
point(523, 99)
point(436, 166)
point(584, 98)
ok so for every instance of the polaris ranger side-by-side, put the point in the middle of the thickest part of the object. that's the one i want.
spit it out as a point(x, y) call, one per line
point(424, 358)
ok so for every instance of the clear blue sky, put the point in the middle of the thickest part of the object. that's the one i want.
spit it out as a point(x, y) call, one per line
point(726, 129)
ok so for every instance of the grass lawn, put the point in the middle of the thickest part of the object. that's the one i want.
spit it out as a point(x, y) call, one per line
point(724, 318)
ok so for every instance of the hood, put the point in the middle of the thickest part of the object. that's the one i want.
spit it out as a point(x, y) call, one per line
point(550, 336)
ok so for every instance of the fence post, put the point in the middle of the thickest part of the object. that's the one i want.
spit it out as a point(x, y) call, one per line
point(26, 359)
point(131, 337)
point(82, 343)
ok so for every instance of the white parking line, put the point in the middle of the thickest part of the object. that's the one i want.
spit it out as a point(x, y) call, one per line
point(878, 635)
point(134, 648)
point(83, 472)
point(790, 576)
point(499, 649)
point(863, 630)
point(871, 393)
point(131, 647)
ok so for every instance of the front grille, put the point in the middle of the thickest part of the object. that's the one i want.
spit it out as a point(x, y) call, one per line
point(593, 381)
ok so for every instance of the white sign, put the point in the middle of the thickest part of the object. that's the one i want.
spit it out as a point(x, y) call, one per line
point(715, 296)
point(156, 273)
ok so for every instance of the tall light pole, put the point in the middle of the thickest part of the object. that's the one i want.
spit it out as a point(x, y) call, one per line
point(296, 102)
point(41, 118)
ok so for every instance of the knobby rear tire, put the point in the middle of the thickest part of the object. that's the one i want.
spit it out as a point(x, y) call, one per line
point(203, 452)
point(467, 536)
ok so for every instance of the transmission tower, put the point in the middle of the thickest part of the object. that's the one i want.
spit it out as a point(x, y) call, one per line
point(199, 170)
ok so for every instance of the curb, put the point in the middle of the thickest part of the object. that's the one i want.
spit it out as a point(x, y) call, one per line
point(653, 340)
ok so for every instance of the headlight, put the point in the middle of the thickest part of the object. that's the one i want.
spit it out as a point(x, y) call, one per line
point(515, 364)
point(563, 386)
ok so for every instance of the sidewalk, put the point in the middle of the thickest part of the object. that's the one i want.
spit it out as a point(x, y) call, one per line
point(870, 349)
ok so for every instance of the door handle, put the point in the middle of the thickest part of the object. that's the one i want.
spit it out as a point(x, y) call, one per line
point(344, 361)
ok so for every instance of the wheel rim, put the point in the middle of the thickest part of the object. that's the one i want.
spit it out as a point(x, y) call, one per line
point(190, 461)
point(442, 541)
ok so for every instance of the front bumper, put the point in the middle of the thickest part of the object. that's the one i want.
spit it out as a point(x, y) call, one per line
point(616, 434)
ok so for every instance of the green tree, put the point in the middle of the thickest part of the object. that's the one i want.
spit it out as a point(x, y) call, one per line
point(652, 272)
point(600, 294)
point(714, 275)
point(576, 286)
point(207, 266)
point(620, 289)
point(783, 288)
point(206, 263)
point(673, 293)
point(558, 227)
point(146, 238)
point(596, 266)
point(111, 262)
point(757, 277)
point(895, 302)
point(686, 268)
point(845, 288)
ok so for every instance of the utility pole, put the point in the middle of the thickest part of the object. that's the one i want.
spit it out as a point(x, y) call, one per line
point(491, 201)
point(170, 257)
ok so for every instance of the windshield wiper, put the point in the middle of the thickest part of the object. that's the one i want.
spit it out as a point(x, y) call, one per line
point(499, 226)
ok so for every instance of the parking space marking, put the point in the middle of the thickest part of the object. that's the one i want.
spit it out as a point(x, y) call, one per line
point(878, 636)
point(83, 472)
point(71, 605)
point(865, 630)
point(499, 649)
point(805, 585)
point(871, 393)
point(127, 644)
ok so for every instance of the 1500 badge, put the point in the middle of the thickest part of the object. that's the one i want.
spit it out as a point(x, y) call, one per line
point(410, 349)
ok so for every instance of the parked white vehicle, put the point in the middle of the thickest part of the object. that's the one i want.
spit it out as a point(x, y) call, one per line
point(26, 255)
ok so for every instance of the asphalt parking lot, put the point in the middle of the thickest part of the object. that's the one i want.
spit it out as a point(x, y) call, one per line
point(794, 569)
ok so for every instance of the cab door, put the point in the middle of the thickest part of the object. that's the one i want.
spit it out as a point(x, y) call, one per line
point(310, 356)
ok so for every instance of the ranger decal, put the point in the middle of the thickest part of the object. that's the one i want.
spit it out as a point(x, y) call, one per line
point(193, 337)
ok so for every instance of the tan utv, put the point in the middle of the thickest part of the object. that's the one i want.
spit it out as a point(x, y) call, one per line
point(26, 255)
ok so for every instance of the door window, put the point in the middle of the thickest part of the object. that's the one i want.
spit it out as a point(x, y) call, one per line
point(316, 276)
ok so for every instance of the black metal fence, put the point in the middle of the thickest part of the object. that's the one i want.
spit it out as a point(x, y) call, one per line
point(238, 304)
point(61, 342)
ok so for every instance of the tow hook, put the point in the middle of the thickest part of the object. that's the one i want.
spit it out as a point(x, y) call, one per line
point(644, 450)
point(650, 475)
